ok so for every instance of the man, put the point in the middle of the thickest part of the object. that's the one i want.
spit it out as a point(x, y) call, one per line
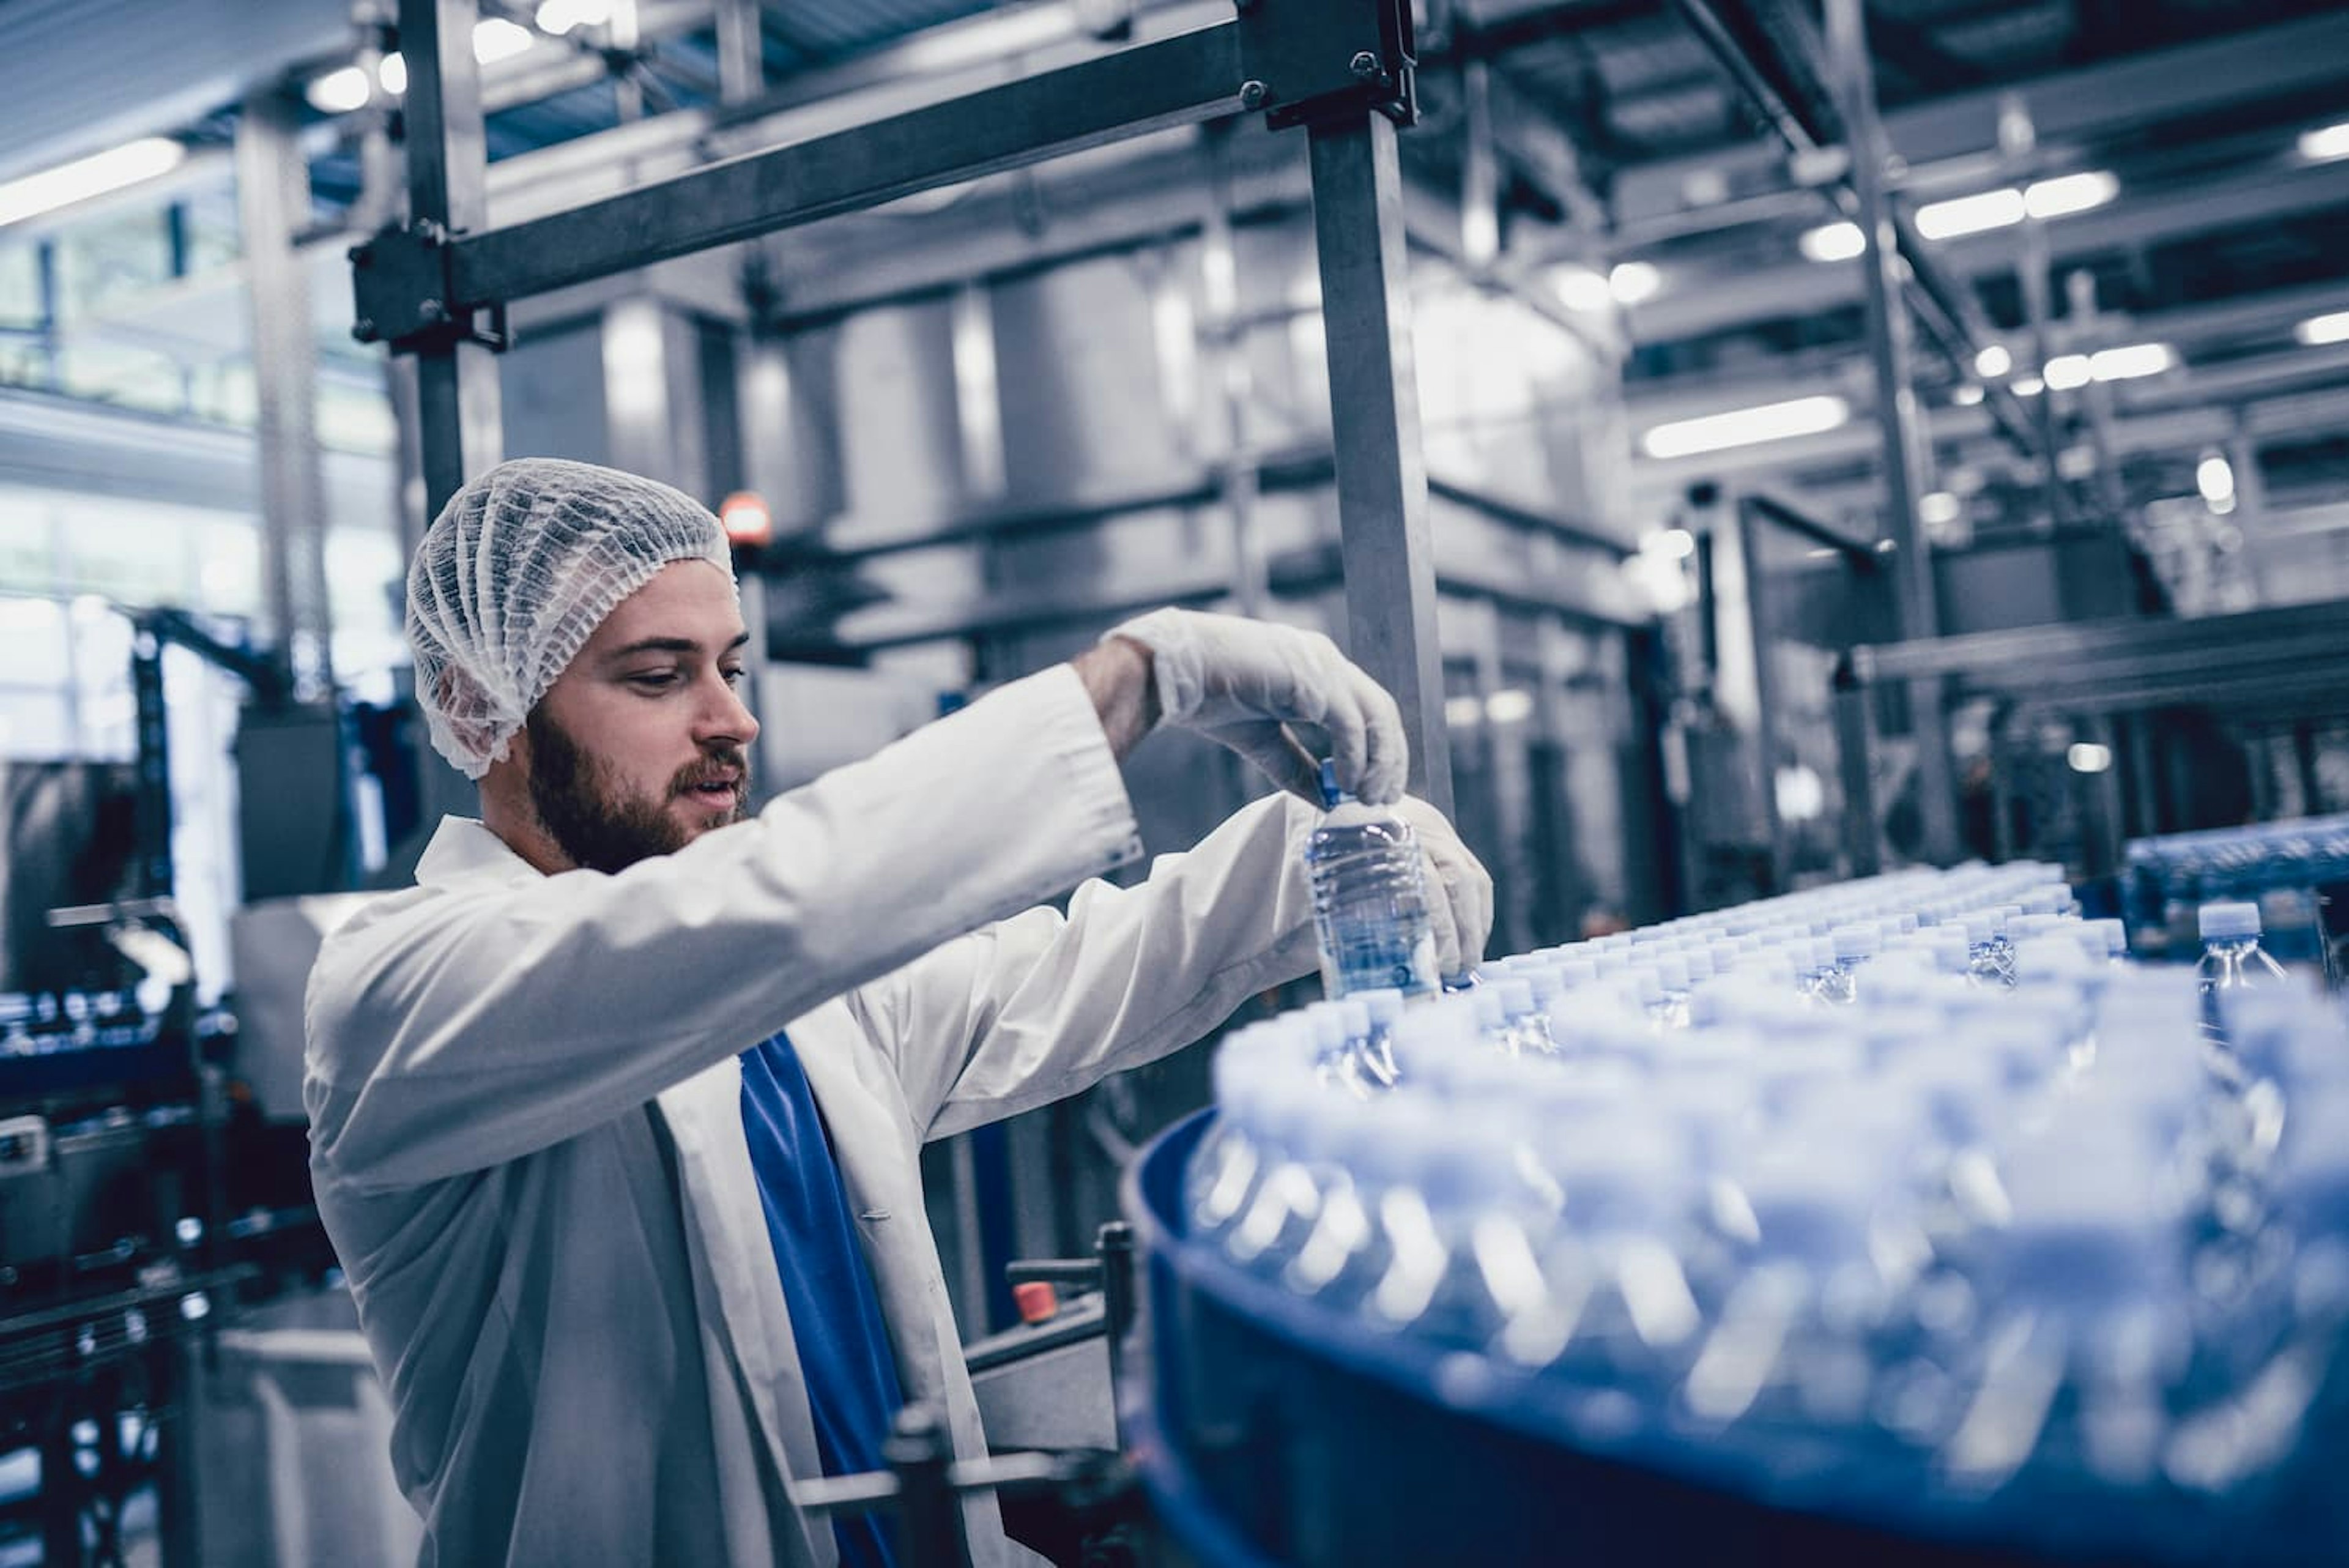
point(616, 1116)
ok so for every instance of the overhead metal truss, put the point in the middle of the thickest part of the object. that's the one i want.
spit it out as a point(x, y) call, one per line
point(437, 287)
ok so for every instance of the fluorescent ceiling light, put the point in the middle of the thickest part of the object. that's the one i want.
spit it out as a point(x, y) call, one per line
point(2056, 198)
point(2325, 143)
point(1993, 362)
point(2087, 757)
point(559, 17)
point(1970, 215)
point(496, 38)
point(2067, 371)
point(1511, 705)
point(1673, 544)
point(339, 92)
point(2029, 387)
point(1746, 427)
point(2069, 194)
point(1834, 243)
point(1581, 289)
point(1968, 394)
point(2129, 363)
point(1633, 281)
point(2214, 476)
point(2318, 330)
point(87, 177)
point(1937, 508)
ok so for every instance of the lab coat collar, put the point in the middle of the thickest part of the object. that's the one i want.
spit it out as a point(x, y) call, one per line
point(463, 848)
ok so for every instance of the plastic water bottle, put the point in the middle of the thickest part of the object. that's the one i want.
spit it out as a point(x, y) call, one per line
point(1377, 1055)
point(1854, 943)
point(2089, 1335)
point(1370, 901)
point(1259, 1074)
point(1528, 1020)
point(1460, 1233)
point(2232, 958)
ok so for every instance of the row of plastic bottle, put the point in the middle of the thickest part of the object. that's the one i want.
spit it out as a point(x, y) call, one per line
point(2288, 868)
point(1909, 1197)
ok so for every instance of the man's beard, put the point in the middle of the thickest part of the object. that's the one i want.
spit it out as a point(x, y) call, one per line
point(595, 826)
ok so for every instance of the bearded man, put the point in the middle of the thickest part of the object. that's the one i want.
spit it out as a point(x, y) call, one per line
point(616, 1115)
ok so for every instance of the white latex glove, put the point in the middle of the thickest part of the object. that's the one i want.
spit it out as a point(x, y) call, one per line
point(1460, 890)
point(1243, 681)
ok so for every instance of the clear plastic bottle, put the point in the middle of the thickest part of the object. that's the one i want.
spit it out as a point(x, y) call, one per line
point(1461, 1233)
point(2232, 959)
point(1855, 943)
point(1985, 964)
point(1370, 900)
point(1293, 1167)
point(1385, 1007)
point(1623, 1318)
point(1788, 1365)
point(2087, 1338)
point(1528, 1020)
point(1254, 1068)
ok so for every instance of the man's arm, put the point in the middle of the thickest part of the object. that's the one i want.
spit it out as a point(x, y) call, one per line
point(459, 1030)
point(1118, 676)
point(1038, 1007)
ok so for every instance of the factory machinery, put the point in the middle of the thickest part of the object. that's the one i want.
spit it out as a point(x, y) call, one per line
point(137, 1201)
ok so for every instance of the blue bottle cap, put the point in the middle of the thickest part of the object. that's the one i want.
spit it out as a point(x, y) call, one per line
point(1330, 794)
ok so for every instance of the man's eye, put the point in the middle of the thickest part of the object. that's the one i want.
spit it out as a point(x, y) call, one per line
point(734, 677)
point(655, 680)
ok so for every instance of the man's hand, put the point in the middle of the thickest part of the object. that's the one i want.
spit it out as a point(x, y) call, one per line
point(1243, 683)
point(1459, 889)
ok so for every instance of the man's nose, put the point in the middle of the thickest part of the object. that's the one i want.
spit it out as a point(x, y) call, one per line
point(726, 716)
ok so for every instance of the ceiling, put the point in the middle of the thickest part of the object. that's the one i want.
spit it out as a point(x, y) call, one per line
point(1627, 138)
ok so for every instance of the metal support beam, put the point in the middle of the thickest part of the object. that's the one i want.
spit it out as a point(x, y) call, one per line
point(1180, 80)
point(273, 192)
point(741, 51)
point(1906, 457)
point(2291, 59)
point(1374, 418)
point(2017, 142)
point(1229, 377)
point(1775, 79)
point(457, 397)
point(460, 422)
point(1480, 171)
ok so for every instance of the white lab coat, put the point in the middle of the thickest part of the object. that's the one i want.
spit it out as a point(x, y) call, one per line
point(526, 1137)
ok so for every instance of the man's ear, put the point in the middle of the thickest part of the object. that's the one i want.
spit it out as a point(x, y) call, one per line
point(465, 708)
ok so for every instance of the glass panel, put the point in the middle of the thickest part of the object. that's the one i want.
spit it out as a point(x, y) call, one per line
point(111, 259)
point(133, 551)
point(210, 226)
point(36, 726)
point(20, 285)
point(356, 419)
point(120, 374)
point(27, 556)
point(228, 567)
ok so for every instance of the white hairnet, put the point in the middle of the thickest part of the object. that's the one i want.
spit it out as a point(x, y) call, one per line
point(516, 573)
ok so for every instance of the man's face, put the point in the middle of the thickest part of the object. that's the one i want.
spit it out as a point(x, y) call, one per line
point(642, 744)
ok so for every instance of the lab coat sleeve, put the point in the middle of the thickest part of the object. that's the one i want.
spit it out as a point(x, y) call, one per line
point(464, 1026)
point(1038, 1007)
